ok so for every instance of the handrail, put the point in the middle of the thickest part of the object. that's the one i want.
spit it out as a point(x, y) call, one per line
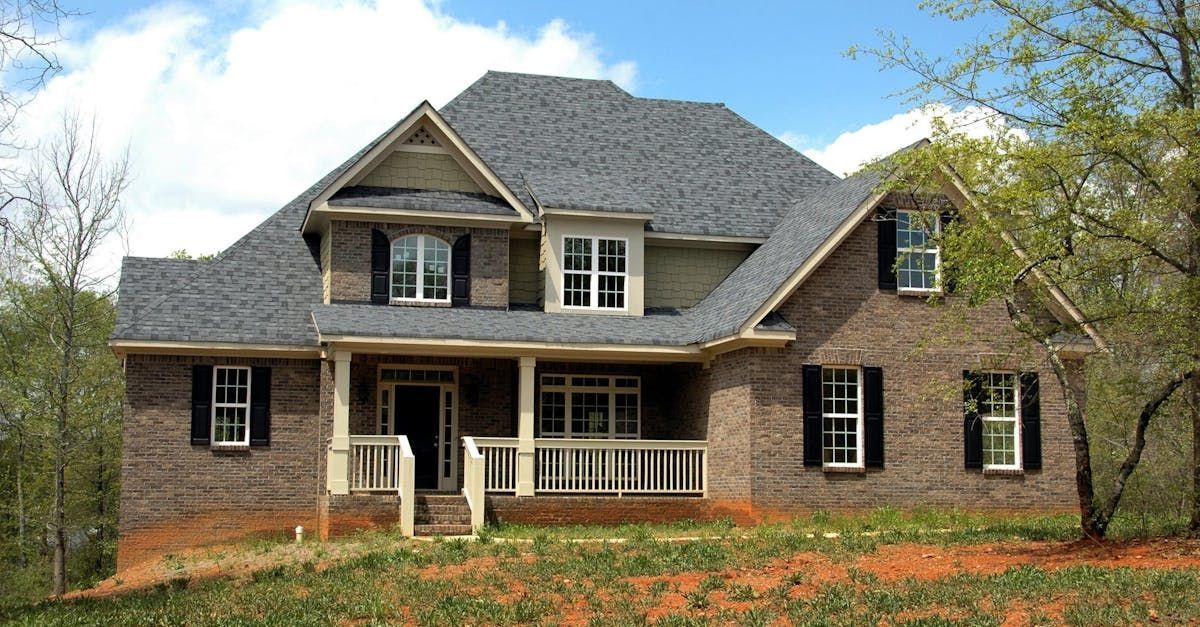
point(473, 466)
point(597, 443)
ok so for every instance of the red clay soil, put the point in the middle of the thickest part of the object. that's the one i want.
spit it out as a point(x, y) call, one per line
point(889, 563)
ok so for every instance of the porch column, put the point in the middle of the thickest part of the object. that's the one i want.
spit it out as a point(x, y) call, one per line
point(525, 427)
point(337, 470)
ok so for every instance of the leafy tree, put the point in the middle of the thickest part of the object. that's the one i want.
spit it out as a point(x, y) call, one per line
point(1092, 175)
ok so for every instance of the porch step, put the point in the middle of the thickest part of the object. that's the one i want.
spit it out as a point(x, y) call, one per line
point(442, 530)
point(441, 515)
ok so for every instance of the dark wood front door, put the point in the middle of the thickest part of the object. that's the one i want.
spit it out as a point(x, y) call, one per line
point(416, 416)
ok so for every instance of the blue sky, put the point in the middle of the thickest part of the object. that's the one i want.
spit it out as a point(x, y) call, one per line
point(229, 108)
point(782, 65)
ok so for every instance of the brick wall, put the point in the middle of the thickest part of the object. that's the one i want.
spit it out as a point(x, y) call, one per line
point(679, 276)
point(418, 170)
point(176, 495)
point(601, 510)
point(923, 348)
point(350, 259)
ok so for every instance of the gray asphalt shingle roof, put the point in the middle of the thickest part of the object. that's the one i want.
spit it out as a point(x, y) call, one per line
point(588, 144)
point(420, 199)
point(266, 288)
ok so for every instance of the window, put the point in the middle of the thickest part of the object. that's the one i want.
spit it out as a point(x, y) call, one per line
point(917, 254)
point(841, 416)
point(1000, 412)
point(420, 269)
point(595, 272)
point(590, 407)
point(231, 406)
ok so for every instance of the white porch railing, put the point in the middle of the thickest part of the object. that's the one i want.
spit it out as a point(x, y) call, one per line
point(598, 466)
point(500, 463)
point(385, 463)
point(473, 482)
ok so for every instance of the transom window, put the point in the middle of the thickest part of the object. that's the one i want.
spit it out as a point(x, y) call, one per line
point(590, 406)
point(231, 406)
point(917, 253)
point(420, 269)
point(1000, 412)
point(841, 416)
point(595, 272)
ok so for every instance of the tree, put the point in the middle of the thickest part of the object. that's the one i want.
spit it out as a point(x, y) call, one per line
point(70, 207)
point(28, 33)
point(1092, 174)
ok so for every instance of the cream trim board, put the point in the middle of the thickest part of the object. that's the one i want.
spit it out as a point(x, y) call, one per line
point(598, 213)
point(687, 239)
point(507, 349)
point(152, 347)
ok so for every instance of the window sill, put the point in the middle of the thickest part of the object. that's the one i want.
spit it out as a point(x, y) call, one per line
point(230, 448)
point(419, 303)
point(918, 293)
point(1004, 472)
point(844, 470)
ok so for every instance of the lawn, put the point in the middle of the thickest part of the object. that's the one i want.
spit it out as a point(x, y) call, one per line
point(920, 568)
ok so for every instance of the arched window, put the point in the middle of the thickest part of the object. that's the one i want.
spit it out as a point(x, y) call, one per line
point(420, 269)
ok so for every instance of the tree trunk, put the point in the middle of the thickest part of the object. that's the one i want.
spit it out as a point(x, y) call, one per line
point(1194, 402)
point(21, 500)
point(60, 453)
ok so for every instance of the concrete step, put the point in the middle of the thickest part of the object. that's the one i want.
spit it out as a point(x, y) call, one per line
point(442, 519)
point(441, 530)
point(442, 509)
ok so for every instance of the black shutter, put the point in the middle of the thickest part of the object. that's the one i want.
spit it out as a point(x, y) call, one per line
point(887, 254)
point(202, 390)
point(873, 416)
point(972, 424)
point(260, 406)
point(948, 281)
point(812, 415)
point(460, 269)
point(1031, 421)
point(381, 253)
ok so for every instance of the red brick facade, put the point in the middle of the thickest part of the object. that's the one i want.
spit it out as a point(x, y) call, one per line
point(746, 403)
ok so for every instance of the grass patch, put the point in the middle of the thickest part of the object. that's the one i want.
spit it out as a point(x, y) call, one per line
point(649, 580)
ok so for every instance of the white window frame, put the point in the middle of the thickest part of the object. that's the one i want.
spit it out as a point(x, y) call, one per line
point(594, 274)
point(984, 389)
point(860, 423)
point(420, 298)
point(930, 247)
point(212, 421)
point(568, 389)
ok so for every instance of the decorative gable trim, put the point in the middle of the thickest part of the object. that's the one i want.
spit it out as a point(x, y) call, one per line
point(424, 117)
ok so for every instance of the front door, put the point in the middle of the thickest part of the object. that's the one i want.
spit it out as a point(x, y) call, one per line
point(417, 413)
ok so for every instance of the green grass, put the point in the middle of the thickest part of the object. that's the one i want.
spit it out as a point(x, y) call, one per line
point(395, 580)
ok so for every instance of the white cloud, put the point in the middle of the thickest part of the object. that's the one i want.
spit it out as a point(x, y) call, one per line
point(852, 149)
point(225, 127)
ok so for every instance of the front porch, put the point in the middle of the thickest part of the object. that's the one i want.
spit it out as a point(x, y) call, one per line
point(504, 431)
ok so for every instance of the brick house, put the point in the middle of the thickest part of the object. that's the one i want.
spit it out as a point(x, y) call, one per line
point(551, 301)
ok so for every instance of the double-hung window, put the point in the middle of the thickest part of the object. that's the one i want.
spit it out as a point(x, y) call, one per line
point(595, 272)
point(842, 417)
point(1000, 412)
point(231, 406)
point(420, 269)
point(917, 252)
point(590, 406)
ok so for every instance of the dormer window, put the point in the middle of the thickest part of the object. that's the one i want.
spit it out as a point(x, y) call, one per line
point(595, 272)
point(420, 269)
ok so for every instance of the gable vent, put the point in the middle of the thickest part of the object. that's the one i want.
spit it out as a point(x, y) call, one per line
point(421, 137)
